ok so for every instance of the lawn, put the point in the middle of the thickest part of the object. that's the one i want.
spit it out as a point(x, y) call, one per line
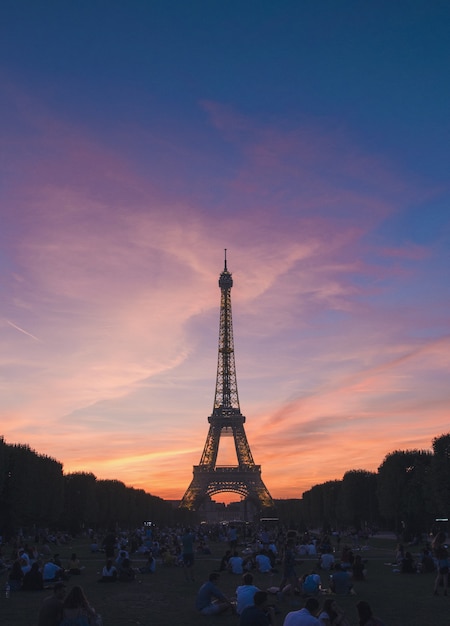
point(166, 599)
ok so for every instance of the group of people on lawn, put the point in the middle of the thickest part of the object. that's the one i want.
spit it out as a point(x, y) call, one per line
point(253, 606)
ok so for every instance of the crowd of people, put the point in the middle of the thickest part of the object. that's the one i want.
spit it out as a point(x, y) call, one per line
point(267, 555)
point(259, 607)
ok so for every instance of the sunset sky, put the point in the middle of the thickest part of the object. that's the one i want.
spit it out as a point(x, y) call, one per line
point(138, 140)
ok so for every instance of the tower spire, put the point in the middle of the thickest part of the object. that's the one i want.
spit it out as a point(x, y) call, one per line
point(226, 399)
point(226, 420)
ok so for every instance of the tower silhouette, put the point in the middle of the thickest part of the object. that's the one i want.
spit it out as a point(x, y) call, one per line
point(226, 420)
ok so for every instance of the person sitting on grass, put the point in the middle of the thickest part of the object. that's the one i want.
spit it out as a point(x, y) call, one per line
point(126, 572)
point(236, 564)
point(305, 616)
point(150, 566)
point(210, 599)
point(32, 581)
point(50, 613)
point(109, 572)
point(77, 610)
point(366, 617)
point(407, 565)
point(224, 561)
point(340, 582)
point(326, 561)
point(52, 572)
point(358, 568)
point(245, 593)
point(332, 614)
point(263, 562)
point(74, 568)
point(15, 576)
point(426, 563)
point(258, 614)
point(312, 584)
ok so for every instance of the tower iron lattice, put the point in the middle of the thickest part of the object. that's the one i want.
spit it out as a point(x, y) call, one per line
point(226, 420)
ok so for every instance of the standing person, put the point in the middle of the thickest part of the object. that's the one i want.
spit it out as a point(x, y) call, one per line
point(366, 617)
point(304, 617)
point(52, 607)
point(187, 555)
point(210, 599)
point(440, 553)
point(289, 574)
point(76, 609)
point(232, 536)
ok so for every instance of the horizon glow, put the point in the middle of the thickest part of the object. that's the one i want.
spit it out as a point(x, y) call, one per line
point(285, 136)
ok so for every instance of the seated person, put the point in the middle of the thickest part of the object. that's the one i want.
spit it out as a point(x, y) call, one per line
point(24, 564)
point(109, 572)
point(340, 582)
point(126, 572)
point(52, 572)
point(123, 554)
point(258, 614)
point(210, 599)
point(327, 561)
point(74, 567)
point(224, 561)
point(50, 613)
point(263, 562)
point(167, 557)
point(94, 547)
point(332, 614)
point(366, 616)
point(407, 565)
point(32, 580)
point(245, 593)
point(236, 564)
point(311, 584)
point(347, 558)
point(426, 561)
point(358, 568)
point(150, 566)
point(15, 576)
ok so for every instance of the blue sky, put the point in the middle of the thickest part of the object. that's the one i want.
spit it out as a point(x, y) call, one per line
point(138, 140)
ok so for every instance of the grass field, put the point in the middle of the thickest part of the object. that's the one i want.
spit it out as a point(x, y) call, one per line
point(166, 599)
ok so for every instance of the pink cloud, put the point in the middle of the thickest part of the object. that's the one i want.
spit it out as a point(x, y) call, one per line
point(115, 274)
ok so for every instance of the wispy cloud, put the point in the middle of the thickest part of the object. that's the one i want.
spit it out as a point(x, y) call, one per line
point(115, 273)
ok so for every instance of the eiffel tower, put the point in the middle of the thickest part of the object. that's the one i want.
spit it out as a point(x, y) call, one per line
point(226, 421)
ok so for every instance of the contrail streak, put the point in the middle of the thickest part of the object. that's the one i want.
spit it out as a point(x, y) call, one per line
point(23, 331)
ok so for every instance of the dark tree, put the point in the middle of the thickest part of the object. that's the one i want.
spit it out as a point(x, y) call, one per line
point(440, 475)
point(80, 503)
point(358, 505)
point(404, 490)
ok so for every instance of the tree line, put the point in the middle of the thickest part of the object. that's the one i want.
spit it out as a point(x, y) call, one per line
point(408, 493)
point(36, 494)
